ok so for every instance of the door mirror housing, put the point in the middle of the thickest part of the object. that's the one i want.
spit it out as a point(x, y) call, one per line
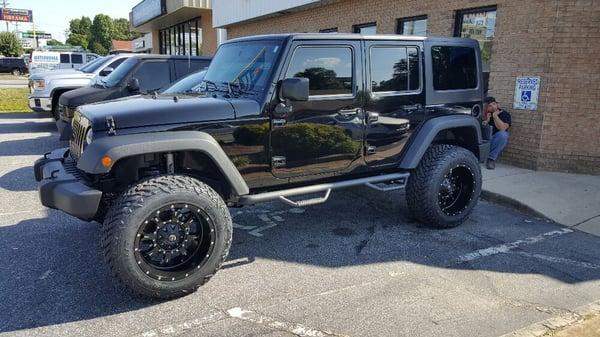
point(106, 71)
point(294, 89)
point(133, 84)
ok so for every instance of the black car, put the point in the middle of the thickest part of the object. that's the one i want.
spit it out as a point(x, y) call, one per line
point(277, 117)
point(139, 74)
point(13, 65)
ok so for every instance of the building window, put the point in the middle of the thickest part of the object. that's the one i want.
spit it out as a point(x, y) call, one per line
point(365, 28)
point(329, 69)
point(454, 68)
point(329, 30)
point(479, 24)
point(182, 39)
point(416, 25)
point(396, 70)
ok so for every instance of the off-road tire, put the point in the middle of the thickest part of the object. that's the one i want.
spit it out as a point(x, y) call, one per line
point(423, 188)
point(126, 215)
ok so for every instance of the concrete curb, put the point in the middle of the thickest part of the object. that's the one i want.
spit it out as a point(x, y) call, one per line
point(551, 325)
point(503, 200)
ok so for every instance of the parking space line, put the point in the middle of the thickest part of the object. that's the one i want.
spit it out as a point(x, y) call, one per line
point(505, 248)
point(561, 260)
point(177, 329)
point(293, 328)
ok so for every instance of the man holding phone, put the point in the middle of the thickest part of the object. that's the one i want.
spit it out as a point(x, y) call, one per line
point(500, 121)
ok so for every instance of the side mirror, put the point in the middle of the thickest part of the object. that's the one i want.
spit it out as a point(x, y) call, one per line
point(133, 84)
point(294, 89)
point(106, 71)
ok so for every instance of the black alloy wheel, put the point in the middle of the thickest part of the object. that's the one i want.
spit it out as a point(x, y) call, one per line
point(456, 190)
point(174, 242)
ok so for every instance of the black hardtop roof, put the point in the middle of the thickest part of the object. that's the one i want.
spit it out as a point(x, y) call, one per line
point(351, 36)
point(171, 57)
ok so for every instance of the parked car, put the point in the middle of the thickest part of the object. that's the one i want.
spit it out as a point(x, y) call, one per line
point(13, 65)
point(160, 172)
point(42, 60)
point(139, 74)
point(191, 84)
point(46, 87)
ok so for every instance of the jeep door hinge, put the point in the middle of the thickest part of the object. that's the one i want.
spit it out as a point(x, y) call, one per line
point(278, 161)
point(110, 125)
point(370, 149)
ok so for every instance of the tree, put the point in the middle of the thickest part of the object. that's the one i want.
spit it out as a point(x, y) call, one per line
point(102, 32)
point(10, 45)
point(78, 40)
point(53, 42)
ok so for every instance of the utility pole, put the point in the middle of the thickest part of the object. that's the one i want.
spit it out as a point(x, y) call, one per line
point(4, 4)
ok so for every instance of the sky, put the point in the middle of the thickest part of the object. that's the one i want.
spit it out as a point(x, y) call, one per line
point(53, 16)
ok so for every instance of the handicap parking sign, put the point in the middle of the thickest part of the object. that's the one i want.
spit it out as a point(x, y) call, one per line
point(526, 92)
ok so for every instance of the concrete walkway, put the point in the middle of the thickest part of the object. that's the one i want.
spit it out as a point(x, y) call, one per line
point(572, 200)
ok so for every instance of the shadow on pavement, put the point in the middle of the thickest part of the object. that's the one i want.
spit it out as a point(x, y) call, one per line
point(19, 180)
point(53, 271)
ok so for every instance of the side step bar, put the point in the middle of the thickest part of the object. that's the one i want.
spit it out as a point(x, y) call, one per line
point(394, 181)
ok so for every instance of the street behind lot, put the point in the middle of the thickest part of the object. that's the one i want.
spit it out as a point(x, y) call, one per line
point(354, 266)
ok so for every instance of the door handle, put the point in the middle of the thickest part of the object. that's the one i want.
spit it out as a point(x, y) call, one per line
point(349, 112)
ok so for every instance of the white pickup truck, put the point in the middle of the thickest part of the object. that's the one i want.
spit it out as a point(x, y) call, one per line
point(45, 87)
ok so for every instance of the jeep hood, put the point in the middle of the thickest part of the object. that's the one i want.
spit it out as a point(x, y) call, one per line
point(146, 111)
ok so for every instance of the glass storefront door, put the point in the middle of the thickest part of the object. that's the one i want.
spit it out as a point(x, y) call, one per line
point(182, 39)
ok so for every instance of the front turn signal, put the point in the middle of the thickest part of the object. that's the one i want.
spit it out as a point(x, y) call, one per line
point(106, 161)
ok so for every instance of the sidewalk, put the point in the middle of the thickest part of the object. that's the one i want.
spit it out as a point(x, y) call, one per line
point(572, 200)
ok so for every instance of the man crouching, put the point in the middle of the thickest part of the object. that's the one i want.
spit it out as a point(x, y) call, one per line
point(500, 121)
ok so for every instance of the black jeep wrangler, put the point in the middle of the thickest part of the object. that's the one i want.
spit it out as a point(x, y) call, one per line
point(276, 117)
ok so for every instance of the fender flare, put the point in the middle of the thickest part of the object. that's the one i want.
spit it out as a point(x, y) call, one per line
point(429, 130)
point(120, 147)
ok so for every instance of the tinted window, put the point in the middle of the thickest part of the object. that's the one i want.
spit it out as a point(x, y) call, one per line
point(329, 69)
point(116, 63)
point(90, 57)
point(95, 64)
point(394, 69)
point(153, 75)
point(64, 58)
point(184, 67)
point(189, 84)
point(453, 68)
point(114, 78)
point(76, 58)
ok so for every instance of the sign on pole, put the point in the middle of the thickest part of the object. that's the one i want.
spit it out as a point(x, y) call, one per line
point(16, 15)
point(527, 90)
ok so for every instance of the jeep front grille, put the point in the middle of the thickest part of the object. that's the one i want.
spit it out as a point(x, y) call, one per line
point(80, 127)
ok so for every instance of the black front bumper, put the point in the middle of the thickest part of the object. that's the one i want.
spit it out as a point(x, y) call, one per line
point(61, 186)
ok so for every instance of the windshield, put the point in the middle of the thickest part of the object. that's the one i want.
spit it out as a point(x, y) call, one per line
point(90, 67)
point(190, 84)
point(247, 65)
point(114, 78)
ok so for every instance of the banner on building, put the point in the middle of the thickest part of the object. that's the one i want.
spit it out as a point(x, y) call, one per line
point(527, 90)
point(16, 15)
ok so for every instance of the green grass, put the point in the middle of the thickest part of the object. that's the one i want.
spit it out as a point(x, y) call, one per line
point(11, 77)
point(14, 100)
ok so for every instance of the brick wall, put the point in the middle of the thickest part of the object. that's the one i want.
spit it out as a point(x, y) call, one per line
point(557, 40)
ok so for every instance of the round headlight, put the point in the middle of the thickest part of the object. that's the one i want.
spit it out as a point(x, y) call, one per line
point(89, 136)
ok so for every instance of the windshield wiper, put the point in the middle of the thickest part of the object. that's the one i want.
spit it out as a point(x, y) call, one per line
point(209, 82)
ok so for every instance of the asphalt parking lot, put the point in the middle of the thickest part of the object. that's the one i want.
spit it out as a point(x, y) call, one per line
point(354, 266)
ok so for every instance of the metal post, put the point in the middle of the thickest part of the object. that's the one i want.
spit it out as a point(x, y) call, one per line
point(4, 4)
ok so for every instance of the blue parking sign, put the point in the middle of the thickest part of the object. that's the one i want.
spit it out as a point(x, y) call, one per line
point(526, 96)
